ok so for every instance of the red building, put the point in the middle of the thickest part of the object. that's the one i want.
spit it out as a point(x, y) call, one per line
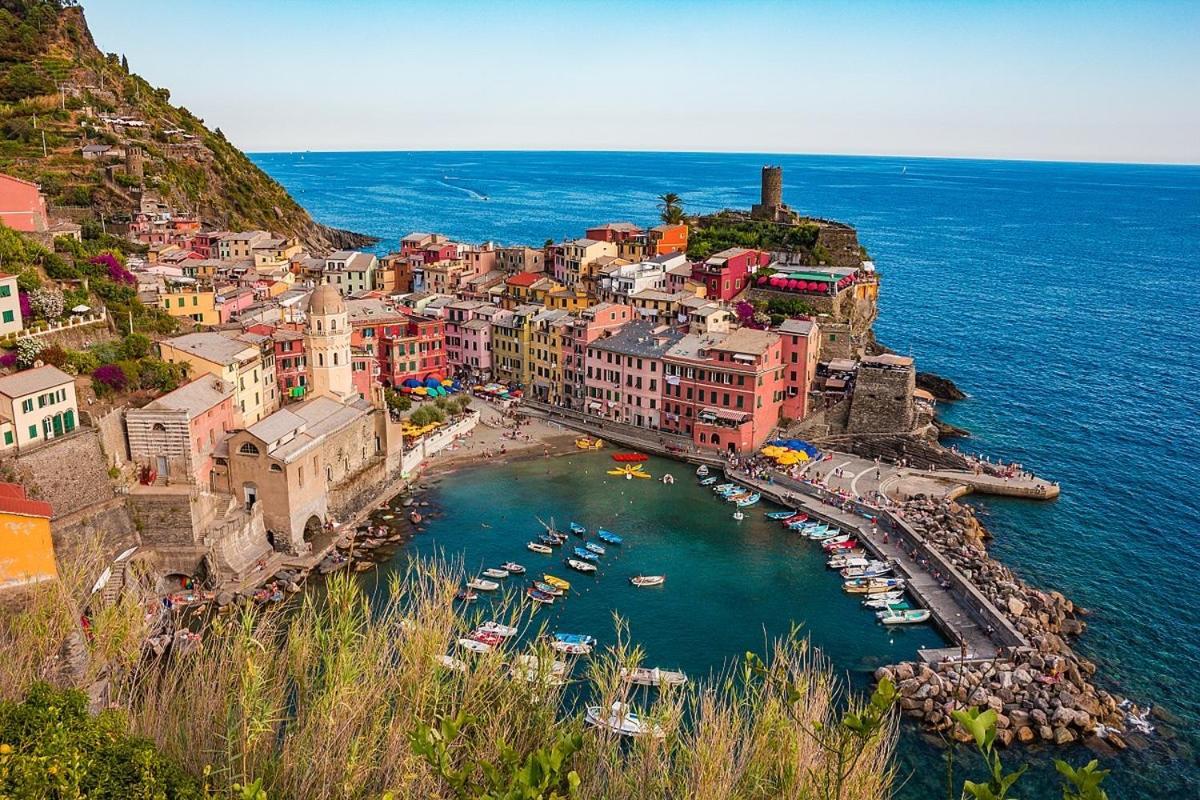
point(291, 361)
point(725, 390)
point(403, 344)
point(22, 206)
point(801, 346)
point(614, 232)
point(728, 272)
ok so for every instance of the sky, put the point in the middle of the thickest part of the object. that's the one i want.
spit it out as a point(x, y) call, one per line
point(1075, 81)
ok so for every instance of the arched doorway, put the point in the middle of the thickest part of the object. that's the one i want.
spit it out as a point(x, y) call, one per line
point(249, 494)
point(312, 528)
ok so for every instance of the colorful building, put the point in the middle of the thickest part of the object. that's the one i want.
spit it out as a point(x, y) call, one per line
point(26, 547)
point(11, 320)
point(624, 373)
point(235, 361)
point(582, 329)
point(666, 238)
point(575, 261)
point(177, 435)
point(22, 206)
point(726, 391)
point(36, 405)
point(545, 355)
point(801, 348)
point(727, 273)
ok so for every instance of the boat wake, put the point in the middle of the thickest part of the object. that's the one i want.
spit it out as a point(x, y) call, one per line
point(469, 192)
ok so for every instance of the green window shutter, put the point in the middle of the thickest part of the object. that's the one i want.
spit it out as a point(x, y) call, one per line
point(5, 291)
point(9, 316)
point(33, 431)
point(8, 437)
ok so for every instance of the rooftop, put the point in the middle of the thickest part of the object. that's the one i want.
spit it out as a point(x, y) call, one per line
point(800, 327)
point(214, 347)
point(32, 381)
point(642, 339)
point(747, 341)
point(195, 398)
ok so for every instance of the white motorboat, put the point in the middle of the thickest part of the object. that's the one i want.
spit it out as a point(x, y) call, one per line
point(475, 646)
point(514, 568)
point(493, 572)
point(648, 580)
point(653, 676)
point(842, 561)
point(884, 599)
point(481, 585)
point(911, 616)
point(538, 547)
point(702, 470)
point(621, 720)
point(571, 648)
point(505, 631)
point(581, 566)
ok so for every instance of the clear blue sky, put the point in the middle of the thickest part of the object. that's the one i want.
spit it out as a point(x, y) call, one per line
point(1089, 81)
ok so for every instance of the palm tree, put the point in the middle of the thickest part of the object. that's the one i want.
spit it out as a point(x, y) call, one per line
point(671, 208)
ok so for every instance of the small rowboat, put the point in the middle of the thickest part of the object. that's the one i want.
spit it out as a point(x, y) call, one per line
point(451, 663)
point(702, 470)
point(474, 646)
point(709, 481)
point(894, 605)
point(576, 638)
point(550, 672)
point(581, 566)
point(842, 543)
point(514, 568)
point(909, 616)
point(547, 588)
point(587, 443)
point(629, 458)
point(622, 721)
point(608, 537)
point(746, 502)
point(495, 628)
point(725, 487)
point(552, 541)
point(466, 596)
point(648, 580)
point(537, 547)
point(587, 555)
point(872, 585)
point(572, 648)
point(875, 569)
point(482, 585)
point(493, 572)
point(883, 599)
point(559, 582)
point(738, 515)
point(643, 676)
point(859, 559)
point(595, 548)
point(539, 597)
point(578, 529)
point(780, 514)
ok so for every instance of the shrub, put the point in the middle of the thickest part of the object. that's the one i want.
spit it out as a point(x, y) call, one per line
point(47, 304)
point(9, 359)
point(54, 354)
point(26, 305)
point(28, 280)
point(109, 378)
point(135, 345)
point(27, 351)
point(81, 362)
point(52, 747)
point(396, 401)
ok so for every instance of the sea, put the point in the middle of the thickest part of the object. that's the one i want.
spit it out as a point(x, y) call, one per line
point(1061, 297)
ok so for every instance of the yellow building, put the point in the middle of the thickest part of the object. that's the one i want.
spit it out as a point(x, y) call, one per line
point(511, 332)
point(26, 549)
point(543, 360)
point(565, 299)
point(233, 360)
point(575, 261)
point(196, 303)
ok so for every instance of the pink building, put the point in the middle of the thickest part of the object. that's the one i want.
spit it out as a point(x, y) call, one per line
point(22, 206)
point(801, 345)
point(725, 390)
point(614, 232)
point(468, 345)
point(230, 301)
point(624, 373)
point(176, 435)
point(585, 327)
point(728, 272)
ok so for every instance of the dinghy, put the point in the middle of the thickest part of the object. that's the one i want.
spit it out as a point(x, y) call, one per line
point(872, 585)
point(653, 676)
point(514, 568)
point(493, 572)
point(576, 638)
point(702, 470)
point(708, 481)
point(882, 599)
point(847, 562)
point(739, 516)
point(910, 616)
point(466, 596)
point(587, 555)
point(474, 646)
point(746, 502)
point(577, 529)
point(539, 597)
point(581, 566)
point(875, 569)
point(725, 487)
point(547, 588)
point(571, 648)
point(648, 580)
point(559, 582)
point(538, 547)
point(608, 537)
point(488, 638)
point(780, 514)
point(595, 548)
point(503, 631)
point(621, 720)
point(482, 585)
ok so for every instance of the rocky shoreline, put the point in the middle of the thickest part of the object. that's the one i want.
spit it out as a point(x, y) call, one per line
point(1041, 693)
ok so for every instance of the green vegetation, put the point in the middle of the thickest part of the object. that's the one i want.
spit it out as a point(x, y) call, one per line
point(396, 401)
point(724, 230)
point(670, 208)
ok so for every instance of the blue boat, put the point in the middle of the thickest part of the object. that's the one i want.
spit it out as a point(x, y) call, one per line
point(780, 514)
point(553, 541)
point(586, 554)
point(595, 548)
point(553, 591)
point(708, 481)
point(575, 638)
point(608, 537)
point(578, 529)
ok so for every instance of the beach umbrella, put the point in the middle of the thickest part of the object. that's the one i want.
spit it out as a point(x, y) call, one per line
point(431, 383)
point(778, 280)
point(412, 383)
point(447, 383)
point(421, 390)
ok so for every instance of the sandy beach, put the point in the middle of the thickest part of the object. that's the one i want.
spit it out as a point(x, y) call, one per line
point(499, 437)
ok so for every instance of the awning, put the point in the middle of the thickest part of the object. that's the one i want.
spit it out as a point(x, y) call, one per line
point(724, 414)
point(594, 404)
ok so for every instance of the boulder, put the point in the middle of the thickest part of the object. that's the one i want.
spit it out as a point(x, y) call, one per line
point(1046, 732)
point(1016, 606)
point(1064, 736)
point(1025, 734)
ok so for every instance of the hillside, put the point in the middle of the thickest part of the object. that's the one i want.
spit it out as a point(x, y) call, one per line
point(58, 92)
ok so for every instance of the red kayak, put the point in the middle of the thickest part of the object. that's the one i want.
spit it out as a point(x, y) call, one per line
point(629, 458)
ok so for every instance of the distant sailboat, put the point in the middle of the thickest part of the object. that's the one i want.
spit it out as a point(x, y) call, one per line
point(904, 170)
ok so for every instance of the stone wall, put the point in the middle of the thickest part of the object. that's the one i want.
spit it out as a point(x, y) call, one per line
point(113, 441)
point(823, 421)
point(841, 243)
point(70, 472)
point(883, 400)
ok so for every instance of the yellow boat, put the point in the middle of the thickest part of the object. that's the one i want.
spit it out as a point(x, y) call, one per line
point(557, 582)
point(588, 443)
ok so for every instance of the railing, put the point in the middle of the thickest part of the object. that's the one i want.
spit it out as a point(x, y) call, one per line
point(44, 328)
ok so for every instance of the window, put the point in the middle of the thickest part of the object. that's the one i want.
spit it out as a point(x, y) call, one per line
point(33, 431)
point(249, 449)
point(8, 315)
point(27, 405)
point(6, 291)
point(8, 437)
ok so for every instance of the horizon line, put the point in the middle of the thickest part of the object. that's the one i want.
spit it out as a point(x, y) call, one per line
point(609, 151)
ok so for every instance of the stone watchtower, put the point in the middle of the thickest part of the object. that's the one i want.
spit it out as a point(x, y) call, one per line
point(770, 205)
point(134, 162)
point(883, 396)
point(327, 345)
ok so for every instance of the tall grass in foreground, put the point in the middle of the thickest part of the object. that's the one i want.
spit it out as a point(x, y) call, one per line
point(324, 698)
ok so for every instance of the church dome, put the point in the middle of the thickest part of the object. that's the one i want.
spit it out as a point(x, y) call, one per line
point(326, 300)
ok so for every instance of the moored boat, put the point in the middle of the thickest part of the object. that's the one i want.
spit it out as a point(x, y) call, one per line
point(474, 646)
point(709, 481)
point(571, 648)
point(581, 566)
point(595, 548)
point(910, 616)
point(724, 487)
point(487, 637)
point(621, 720)
point(738, 515)
point(847, 562)
point(451, 663)
point(587, 555)
point(559, 582)
point(883, 599)
point(547, 588)
point(482, 585)
point(466, 596)
point(780, 514)
point(577, 638)
point(648, 580)
point(539, 596)
point(538, 547)
point(503, 631)
point(746, 502)
point(608, 537)
point(872, 585)
point(653, 676)
point(514, 568)
point(702, 470)
point(493, 572)
point(577, 529)
point(630, 458)
point(875, 569)
point(842, 543)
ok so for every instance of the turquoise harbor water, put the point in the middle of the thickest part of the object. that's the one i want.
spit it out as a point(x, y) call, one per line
point(1061, 297)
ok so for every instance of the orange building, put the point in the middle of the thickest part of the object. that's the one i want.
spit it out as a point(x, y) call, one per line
point(26, 549)
point(666, 239)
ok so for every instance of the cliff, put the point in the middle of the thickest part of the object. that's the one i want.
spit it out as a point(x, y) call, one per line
point(59, 92)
